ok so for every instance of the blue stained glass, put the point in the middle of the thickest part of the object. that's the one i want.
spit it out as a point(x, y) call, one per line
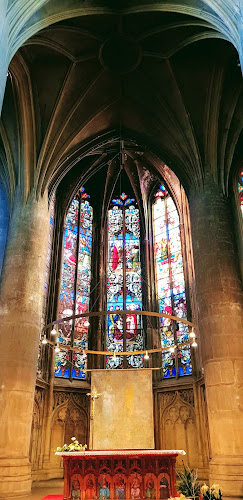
point(117, 202)
point(75, 286)
point(129, 201)
point(170, 284)
point(118, 235)
point(240, 191)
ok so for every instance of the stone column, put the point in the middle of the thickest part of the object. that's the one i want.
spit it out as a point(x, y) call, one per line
point(20, 314)
point(220, 300)
point(4, 29)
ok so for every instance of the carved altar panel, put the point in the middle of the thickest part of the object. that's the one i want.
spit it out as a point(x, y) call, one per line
point(91, 475)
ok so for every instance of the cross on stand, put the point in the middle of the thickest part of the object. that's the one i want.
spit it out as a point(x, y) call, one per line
point(93, 395)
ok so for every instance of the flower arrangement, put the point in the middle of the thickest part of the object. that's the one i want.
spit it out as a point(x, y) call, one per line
point(188, 484)
point(211, 493)
point(73, 446)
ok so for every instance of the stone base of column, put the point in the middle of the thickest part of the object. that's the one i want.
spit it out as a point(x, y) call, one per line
point(228, 473)
point(15, 477)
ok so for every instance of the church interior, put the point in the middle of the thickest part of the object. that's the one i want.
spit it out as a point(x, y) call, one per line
point(121, 244)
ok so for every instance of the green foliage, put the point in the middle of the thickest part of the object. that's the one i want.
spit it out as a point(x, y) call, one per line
point(188, 484)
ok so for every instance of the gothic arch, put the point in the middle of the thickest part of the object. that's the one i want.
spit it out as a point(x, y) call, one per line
point(179, 428)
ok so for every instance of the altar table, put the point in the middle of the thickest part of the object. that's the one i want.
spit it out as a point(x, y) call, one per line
point(120, 474)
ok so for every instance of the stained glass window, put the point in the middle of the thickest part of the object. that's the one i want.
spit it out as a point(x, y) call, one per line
point(170, 285)
point(75, 287)
point(48, 257)
point(240, 190)
point(124, 291)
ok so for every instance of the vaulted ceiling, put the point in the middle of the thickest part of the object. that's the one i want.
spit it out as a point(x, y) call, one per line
point(168, 84)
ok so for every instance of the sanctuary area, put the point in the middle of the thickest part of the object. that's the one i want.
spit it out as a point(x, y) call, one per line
point(121, 247)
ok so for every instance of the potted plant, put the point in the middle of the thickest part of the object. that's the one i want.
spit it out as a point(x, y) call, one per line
point(188, 484)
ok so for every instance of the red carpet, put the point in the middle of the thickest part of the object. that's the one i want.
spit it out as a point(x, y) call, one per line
point(53, 497)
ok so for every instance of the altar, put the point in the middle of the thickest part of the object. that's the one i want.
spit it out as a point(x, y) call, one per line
point(120, 474)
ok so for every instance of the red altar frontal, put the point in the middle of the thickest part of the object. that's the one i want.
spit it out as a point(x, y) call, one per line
point(120, 474)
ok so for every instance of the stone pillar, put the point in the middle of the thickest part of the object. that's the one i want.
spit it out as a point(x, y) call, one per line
point(20, 316)
point(220, 300)
point(4, 28)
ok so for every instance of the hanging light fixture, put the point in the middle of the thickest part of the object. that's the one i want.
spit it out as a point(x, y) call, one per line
point(86, 323)
point(172, 349)
point(194, 343)
point(57, 348)
point(54, 331)
point(44, 340)
point(146, 356)
point(192, 334)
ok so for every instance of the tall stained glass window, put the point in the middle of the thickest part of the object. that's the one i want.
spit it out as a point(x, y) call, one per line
point(124, 291)
point(48, 257)
point(75, 287)
point(170, 285)
point(240, 190)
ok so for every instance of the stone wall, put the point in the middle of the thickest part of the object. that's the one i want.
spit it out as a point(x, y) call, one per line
point(69, 417)
point(180, 423)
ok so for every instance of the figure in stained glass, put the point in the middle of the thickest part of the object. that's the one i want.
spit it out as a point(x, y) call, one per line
point(75, 285)
point(124, 261)
point(170, 282)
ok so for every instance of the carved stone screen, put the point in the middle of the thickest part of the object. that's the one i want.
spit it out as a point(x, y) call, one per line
point(124, 411)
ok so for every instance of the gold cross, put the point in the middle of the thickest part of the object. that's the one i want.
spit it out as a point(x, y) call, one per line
point(94, 395)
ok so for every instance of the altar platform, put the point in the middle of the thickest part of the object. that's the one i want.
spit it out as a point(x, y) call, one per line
point(120, 474)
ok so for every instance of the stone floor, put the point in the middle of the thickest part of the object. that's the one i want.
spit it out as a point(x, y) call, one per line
point(39, 491)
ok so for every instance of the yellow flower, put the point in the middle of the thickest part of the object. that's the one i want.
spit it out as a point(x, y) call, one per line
point(215, 493)
point(182, 497)
point(215, 487)
point(204, 489)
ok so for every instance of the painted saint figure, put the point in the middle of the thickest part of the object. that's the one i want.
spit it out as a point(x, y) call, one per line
point(104, 489)
point(135, 488)
point(164, 488)
point(75, 492)
point(149, 489)
point(89, 492)
point(120, 488)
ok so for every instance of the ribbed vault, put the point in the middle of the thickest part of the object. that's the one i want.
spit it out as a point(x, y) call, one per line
point(180, 100)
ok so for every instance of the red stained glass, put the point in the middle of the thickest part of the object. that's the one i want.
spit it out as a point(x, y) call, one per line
point(170, 284)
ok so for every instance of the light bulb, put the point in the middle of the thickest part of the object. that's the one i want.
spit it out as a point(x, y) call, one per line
point(86, 323)
point(172, 349)
point(194, 344)
point(44, 340)
point(192, 334)
point(57, 349)
point(146, 356)
point(53, 331)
